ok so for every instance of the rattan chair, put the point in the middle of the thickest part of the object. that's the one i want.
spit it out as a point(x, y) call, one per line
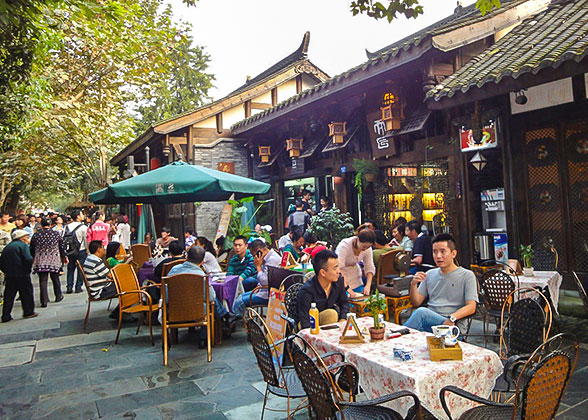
point(325, 396)
point(141, 254)
point(581, 290)
point(131, 297)
point(496, 287)
point(277, 278)
point(538, 393)
point(168, 266)
point(187, 297)
point(90, 298)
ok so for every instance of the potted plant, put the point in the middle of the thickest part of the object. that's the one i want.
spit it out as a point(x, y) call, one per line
point(527, 255)
point(365, 170)
point(377, 305)
point(331, 226)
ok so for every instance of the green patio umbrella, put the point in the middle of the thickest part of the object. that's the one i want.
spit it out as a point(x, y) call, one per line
point(178, 182)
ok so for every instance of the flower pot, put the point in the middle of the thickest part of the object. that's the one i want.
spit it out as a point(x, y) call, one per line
point(377, 333)
point(528, 271)
point(369, 177)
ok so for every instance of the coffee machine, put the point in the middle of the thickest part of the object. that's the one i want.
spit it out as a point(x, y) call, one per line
point(492, 243)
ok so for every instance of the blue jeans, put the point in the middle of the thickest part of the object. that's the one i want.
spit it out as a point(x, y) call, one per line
point(423, 319)
point(72, 267)
point(250, 283)
point(243, 301)
point(219, 309)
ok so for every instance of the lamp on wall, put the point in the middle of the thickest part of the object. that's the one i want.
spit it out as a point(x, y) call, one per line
point(294, 146)
point(337, 130)
point(392, 110)
point(478, 161)
point(521, 98)
point(264, 153)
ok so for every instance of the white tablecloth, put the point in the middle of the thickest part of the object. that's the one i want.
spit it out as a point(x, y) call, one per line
point(551, 279)
point(381, 374)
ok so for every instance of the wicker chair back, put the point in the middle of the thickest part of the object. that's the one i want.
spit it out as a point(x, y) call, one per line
point(141, 254)
point(497, 286)
point(126, 280)
point(262, 350)
point(186, 297)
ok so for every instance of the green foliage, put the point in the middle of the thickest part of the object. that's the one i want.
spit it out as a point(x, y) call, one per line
point(363, 167)
point(236, 228)
point(377, 305)
point(67, 90)
point(331, 226)
point(409, 8)
point(527, 254)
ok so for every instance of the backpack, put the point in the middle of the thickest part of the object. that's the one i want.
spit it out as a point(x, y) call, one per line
point(72, 243)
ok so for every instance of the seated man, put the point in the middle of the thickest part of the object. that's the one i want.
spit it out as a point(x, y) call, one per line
point(422, 253)
point(263, 257)
point(295, 248)
point(326, 289)
point(380, 246)
point(176, 253)
point(98, 275)
point(286, 239)
point(452, 290)
point(192, 266)
point(312, 246)
point(242, 264)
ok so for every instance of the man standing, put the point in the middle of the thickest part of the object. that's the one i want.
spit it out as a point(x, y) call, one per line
point(5, 224)
point(263, 257)
point(422, 251)
point(452, 290)
point(306, 202)
point(16, 262)
point(326, 289)
point(300, 219)
point(76, 242)
point(242, 264)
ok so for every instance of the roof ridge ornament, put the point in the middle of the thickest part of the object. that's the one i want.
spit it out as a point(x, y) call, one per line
point(304, 46)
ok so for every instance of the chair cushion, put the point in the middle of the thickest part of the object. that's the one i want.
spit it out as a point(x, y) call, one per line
point(292, 383)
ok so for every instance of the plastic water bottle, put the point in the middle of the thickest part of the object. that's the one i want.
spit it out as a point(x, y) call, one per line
point(314, 318)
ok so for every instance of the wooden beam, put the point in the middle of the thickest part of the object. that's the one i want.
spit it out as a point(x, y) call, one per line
point(298, 83)
point(219, 122)
point(260, 105)
point(274, 96)
point(247, 107)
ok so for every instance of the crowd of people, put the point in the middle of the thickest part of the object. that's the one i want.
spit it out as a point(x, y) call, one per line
point(44, 245)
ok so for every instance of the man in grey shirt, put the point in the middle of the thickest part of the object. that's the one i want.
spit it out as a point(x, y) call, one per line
point(452, 290)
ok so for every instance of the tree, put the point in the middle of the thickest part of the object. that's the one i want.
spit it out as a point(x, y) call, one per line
point(185, 89)
point(91, 63)
point(408, 8)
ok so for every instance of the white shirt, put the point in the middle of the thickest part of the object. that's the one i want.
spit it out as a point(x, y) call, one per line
point(80, 233)
point(124, 234)
point(349, 263)
point(210, 264)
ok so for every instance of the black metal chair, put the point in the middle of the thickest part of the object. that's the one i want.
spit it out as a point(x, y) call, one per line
point(282, 381)
point(581, 290)
point(325, 397)
point(546, 257)
point(496, 286)
point(540, 385)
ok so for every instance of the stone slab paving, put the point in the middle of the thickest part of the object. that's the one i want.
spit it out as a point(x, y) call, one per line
point(51, 368)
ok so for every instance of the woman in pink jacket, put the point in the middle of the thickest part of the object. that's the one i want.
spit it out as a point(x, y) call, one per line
point(351, 252)
point(99, 230)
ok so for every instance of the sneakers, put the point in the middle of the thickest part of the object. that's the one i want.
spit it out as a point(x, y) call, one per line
point(33, 315)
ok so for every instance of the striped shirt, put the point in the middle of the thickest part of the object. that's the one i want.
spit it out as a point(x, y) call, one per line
point(242, 267)
point(96, 272)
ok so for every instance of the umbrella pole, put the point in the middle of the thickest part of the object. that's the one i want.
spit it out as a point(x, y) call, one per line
point(183, 226)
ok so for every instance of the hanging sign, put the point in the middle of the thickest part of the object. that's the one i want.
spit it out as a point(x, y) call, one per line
point(382, 145)
point(488, 140)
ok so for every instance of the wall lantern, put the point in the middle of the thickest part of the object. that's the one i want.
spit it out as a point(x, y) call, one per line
point(392, 111)
point(166, 151)
point(478, 161)
point(264, 153)
point(294, 146)
point(337, 130)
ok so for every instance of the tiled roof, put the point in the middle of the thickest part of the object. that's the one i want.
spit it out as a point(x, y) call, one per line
point(551, 37)
point(462, 17)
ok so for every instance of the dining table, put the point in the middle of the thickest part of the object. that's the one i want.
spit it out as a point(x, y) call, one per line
point(543, 279)
point(380, 373)
point(227, 288)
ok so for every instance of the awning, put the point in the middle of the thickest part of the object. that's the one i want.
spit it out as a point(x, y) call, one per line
point(330, 147)
point(272, 160)
point(414, 122)
point(312, 145)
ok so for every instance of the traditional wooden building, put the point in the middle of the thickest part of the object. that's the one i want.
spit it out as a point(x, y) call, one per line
point(374, 114)
point(202, 135)
point(527, 93)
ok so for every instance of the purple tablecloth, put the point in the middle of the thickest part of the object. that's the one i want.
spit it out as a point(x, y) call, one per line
point(226, 290)
point(146, 273)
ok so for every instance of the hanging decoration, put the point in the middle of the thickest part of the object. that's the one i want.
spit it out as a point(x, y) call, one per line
point(294, 146)
point(478, 161)
point(337, 130)
point(264, 153)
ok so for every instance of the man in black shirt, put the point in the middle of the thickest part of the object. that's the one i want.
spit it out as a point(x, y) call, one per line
point(326, 289)
point(422, 250)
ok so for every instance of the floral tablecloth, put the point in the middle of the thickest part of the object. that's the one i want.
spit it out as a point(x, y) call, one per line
point(551, 279)
point(381, 374)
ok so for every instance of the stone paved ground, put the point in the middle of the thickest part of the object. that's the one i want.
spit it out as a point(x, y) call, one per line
point(50, 368)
